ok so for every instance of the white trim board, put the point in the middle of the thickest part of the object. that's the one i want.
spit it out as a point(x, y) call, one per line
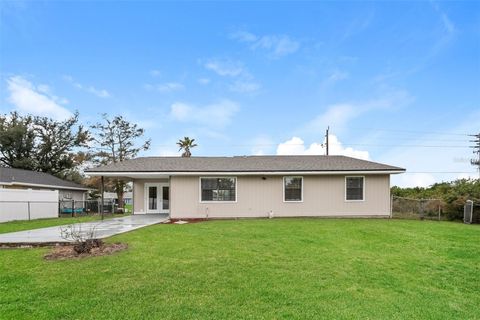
point(43, 186)
point(162, 174)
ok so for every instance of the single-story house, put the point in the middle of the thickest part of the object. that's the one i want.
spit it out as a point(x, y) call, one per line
point(11, 178)
point(112, 196)
point(255, 186)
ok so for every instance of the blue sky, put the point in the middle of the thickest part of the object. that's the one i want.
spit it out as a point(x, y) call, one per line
point(397, 82)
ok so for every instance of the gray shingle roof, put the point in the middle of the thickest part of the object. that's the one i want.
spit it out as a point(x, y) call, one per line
point(11, 175)
point(245, 164)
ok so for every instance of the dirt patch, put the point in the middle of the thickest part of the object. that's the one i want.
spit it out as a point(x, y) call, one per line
point(65, 252)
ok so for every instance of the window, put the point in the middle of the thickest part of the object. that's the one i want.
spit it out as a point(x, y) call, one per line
point(354, 188)
point(218, 189)
point(292, 188)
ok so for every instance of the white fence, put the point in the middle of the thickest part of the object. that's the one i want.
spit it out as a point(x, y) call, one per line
point(18, 204)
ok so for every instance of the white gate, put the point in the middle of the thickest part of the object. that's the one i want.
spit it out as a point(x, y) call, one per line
point(468, 212)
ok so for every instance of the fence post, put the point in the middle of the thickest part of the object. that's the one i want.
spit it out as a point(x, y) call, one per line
point(73, 208)
point(391, 206)
point(439, 212)
point(102, 190)
point(28, 203)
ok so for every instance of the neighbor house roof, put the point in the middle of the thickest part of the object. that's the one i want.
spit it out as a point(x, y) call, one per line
point(11, 176)
point(244, 164)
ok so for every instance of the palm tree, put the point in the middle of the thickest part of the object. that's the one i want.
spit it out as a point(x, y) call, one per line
point(185, 145)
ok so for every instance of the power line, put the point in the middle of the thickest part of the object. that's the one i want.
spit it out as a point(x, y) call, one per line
point(476, 149)
point(412, 131)
point(344, 144)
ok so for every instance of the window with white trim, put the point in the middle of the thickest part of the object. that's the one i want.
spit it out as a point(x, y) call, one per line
point(218, 189)
point(292, 188)
point(354, 188)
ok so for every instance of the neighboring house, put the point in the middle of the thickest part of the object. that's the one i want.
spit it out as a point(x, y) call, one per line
point(127, 197)
point(25, 179)
point(256, 186)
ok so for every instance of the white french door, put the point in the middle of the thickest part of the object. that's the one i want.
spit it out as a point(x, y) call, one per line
point(157, 198)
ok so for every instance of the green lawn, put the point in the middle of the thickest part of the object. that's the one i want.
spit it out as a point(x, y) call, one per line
point(21, 225)
point(258, 269)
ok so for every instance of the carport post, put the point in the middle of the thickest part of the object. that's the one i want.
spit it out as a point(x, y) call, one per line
point(102, 186)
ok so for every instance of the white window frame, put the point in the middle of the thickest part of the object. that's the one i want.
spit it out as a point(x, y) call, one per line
point(363, 189)
point(283, 194)
point(216, 177)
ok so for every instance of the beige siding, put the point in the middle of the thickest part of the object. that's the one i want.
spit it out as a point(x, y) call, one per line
point(322, 196)
point(139, 193)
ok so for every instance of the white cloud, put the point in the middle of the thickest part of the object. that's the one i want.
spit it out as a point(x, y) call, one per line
point(155, 73)
point(339, 115)
point(204, 81)
point(165, 87)
point(35, 100)
point(243, 81)
point(244, 36)
point(296, 146)
point(413, 180)
point(334, 77)
point(426, 165)
point(225, 68)
point(276, 45)
point(447, 24)
point(244, 86)
point(218, 114)
point(262, 145)
point(101, 93)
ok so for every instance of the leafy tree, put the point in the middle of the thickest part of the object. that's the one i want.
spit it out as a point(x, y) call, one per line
point(17, 141)
point(453, 194)
point(42, 144)
point(116, 141)
point(58, 140)
point(186, 144)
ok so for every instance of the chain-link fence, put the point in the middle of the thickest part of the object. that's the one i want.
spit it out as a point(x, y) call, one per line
point(29, 210)
point(417, 209)
point(86, 207)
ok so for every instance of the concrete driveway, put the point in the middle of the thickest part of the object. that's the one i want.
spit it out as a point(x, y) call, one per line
point(103, 229)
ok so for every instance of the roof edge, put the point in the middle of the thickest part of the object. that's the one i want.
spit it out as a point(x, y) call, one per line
point(273, 172)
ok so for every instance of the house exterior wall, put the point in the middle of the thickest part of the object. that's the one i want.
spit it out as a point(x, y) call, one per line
point(139, 193)
point(71, 195)
point(323, 195)
point(63, 194)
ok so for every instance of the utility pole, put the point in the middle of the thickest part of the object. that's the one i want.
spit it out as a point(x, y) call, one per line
point(326, 138)
point(476, 149)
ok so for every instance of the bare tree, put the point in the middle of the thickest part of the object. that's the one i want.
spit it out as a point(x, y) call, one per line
point(83, 240)
point(116, 142)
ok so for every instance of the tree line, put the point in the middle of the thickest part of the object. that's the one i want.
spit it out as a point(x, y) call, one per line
point(65, 147)
point(453, 194)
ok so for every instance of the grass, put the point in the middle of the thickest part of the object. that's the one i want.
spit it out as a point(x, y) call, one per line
point(128, 208)
point(257, 269)
point(20, 225)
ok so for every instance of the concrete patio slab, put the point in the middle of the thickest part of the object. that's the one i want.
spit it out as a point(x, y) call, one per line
point(103, 229)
